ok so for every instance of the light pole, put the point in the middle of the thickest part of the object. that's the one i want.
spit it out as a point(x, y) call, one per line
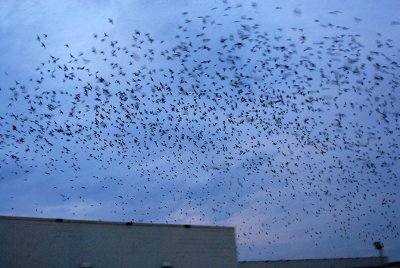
point(379, 246)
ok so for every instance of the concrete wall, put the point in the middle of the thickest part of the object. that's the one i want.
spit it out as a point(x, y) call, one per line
point(29, 242)
point(316, 263)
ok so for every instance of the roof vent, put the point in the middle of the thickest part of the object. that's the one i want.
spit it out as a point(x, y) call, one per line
point(86, 265)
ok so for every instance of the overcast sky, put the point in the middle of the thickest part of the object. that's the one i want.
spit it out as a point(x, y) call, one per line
point(280, 119)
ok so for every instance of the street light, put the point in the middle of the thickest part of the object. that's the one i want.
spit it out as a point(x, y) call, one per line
point(379, 246)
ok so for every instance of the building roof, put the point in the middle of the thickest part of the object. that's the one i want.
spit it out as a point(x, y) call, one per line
point(318, 259)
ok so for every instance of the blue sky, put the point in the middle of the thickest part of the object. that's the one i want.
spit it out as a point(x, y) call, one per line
point(277, 118)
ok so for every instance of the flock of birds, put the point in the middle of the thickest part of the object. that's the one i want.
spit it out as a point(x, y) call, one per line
point(224, 119)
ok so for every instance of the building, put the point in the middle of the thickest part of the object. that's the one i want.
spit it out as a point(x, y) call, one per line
point(33, 242)
point(318, 263)
point(395, 264)
point(37, 242)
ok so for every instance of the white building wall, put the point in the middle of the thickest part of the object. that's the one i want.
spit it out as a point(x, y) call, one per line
point(28, 242)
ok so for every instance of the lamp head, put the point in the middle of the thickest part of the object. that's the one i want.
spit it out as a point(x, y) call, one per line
point(378, 245)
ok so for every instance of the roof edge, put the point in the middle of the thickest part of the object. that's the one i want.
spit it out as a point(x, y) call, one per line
point(62, 220)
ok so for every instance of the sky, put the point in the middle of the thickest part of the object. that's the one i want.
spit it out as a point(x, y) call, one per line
point(277, 118)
